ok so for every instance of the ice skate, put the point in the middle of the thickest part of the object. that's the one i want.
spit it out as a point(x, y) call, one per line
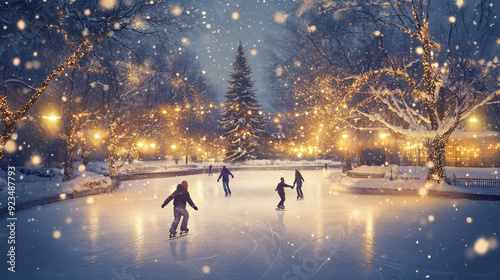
point(281, 208)
point(172, 235)
point(184, 232)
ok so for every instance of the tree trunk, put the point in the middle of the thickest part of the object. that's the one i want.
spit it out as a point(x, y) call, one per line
point(85, 154)
point(437, 158)
point(68, 167)
point(70, 139)
point(348, 164)
point(113, 142)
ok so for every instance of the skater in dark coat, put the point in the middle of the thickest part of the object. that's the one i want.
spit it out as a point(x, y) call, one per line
point(298, 180)
point(180, 197)
point(281, 191)
point(225, 179)
point(210, 171)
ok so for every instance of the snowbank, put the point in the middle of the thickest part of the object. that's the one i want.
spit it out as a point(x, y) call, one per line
point(35, 190)
point(412, 178)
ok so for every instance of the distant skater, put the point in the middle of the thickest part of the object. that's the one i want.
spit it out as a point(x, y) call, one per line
point(180, 197)
point(210, 171)
point(225, 179)
point(281, 191)
point(298, 180)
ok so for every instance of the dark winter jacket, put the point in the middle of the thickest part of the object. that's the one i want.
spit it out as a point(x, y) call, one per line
point(225, 175)
point(298, 179)
point(180, 197)
point(281, 188)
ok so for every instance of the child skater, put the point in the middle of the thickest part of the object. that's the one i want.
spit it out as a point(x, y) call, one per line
point(281, 191)
point(298, 180)
point(180, 197)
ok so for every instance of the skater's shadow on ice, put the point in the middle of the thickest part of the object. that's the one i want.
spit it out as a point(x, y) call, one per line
point(182, 250)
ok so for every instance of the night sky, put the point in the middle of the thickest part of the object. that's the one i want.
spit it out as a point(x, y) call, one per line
point(224, 24)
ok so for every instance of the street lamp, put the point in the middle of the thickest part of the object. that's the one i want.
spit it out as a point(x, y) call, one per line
point(347, 156)
point(383, 136)
point(474, 124)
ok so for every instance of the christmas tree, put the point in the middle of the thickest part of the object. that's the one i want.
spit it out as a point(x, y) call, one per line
point(243, 121)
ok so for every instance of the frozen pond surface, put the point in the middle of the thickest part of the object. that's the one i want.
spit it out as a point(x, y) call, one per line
point(124, 235)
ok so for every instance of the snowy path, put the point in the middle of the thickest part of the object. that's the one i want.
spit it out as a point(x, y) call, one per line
point(124, 235)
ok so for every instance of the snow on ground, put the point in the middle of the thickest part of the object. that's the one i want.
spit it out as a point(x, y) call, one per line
point(32, 187)
point(328, 235)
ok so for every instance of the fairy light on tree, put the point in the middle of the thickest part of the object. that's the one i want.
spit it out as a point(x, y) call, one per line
point(71, 139)
point(426, 97)
point(81, 30)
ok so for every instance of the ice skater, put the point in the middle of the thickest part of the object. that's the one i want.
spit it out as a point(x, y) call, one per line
point(180, 197)
point(210, 171)
point(298, 180)
point(281, 191)
point(225, 179)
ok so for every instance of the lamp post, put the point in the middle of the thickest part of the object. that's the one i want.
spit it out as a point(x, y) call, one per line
point(52, 119)
point(383, 136)
point(347, 156)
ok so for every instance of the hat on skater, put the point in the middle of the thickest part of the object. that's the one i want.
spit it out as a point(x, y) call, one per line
point(282, 179)
point(185, 184)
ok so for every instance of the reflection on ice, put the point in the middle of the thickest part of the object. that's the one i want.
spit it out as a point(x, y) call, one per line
point(178, 253)
point(93, 224)
point(369, 237)
point(139, 237)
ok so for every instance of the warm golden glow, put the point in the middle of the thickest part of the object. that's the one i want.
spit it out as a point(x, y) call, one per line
point(51, 118)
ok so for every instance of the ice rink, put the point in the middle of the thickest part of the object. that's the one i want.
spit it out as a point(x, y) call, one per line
point(328, 235)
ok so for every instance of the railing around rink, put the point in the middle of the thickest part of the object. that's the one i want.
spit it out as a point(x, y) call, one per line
point(476, 182)
point(365, 175)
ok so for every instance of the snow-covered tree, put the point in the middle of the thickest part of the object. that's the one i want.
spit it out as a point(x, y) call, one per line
point(428, 92)
point(310, 62)
point(430, 66)
point(243, 121)
point(71, 29)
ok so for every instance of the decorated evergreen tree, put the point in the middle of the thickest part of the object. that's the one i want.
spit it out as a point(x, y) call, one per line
point(243, 121)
